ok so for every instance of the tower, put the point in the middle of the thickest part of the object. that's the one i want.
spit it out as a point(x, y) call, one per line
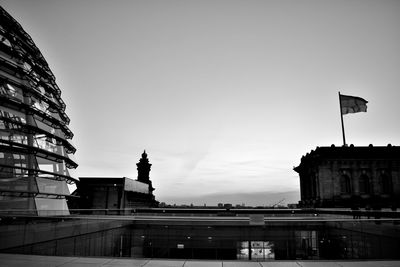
point(143, 167)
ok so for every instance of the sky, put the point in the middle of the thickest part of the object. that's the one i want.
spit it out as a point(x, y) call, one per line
point(225, 96)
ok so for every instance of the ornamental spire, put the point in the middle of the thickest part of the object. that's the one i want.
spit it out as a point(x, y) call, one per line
point(143, 167)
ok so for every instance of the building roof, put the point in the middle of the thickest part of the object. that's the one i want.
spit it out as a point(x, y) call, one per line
point(128, 184)
point(350, 152)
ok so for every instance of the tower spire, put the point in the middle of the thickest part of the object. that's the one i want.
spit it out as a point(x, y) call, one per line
point(143, 167)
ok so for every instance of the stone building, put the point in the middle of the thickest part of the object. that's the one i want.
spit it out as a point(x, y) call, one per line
point(117, 193)
point(351, 177)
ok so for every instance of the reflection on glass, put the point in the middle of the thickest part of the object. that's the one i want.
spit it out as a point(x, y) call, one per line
point(52, 186)
point(49, 129)
point(12, 114)
point(14, 137)
point(46, 207)
point(11, 91)
point(52, 166)
point(23, 184)
point(5, 41)
point(255, 250)
point(15, 203)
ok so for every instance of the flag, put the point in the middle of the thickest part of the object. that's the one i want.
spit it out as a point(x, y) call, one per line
point(352, 104)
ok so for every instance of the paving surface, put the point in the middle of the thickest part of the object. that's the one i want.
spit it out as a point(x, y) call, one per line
point(16, 260)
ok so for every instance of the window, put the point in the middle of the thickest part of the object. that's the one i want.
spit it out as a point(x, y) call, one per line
point(386, 184)
point(314, 186)
point(345, 185)
point(365, 186)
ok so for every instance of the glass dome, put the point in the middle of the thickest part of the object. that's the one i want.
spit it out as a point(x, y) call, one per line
point(36, 154)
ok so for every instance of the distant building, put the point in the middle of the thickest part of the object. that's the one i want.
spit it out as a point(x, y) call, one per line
point(350, 177)
point(36, 153)
point(117, 192)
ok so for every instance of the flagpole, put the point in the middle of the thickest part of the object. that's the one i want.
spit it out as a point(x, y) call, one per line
point(341, 118)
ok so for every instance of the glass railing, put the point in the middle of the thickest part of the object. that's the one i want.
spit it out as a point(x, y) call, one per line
point(89, 233)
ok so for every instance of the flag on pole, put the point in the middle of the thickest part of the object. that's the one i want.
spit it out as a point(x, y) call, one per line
point(352, 104)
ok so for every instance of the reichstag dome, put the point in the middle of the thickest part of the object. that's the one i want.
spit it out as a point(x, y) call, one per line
point(36, 154)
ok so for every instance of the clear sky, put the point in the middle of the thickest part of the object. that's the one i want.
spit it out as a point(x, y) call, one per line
point(225, 96)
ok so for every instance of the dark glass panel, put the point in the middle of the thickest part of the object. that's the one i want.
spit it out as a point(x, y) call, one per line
point(17, 202)
point(47, 207)
point(52, 186)
point(22, 184)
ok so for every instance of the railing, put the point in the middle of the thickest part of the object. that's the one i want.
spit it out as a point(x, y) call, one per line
point(231, 212)
point(169, 234)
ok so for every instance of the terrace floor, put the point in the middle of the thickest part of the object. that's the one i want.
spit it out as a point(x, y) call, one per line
point(16, 260)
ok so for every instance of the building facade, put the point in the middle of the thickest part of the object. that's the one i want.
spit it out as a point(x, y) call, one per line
point(351, 177)
point(117, 193)
point(36, 154)
point(113, 194)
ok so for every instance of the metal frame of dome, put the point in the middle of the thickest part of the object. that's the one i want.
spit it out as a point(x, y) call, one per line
point(36, 154)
